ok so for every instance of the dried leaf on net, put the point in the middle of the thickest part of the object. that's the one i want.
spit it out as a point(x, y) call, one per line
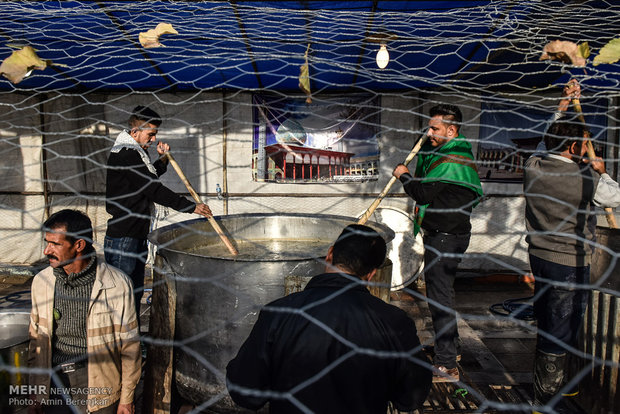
point(584, 49)
point(150, 38)
point(565, 51)
point(22, 62)
point(304, 78)
point(610, 53)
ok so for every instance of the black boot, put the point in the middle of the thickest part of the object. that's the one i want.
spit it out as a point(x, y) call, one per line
point(574, 365)
point(548, 378)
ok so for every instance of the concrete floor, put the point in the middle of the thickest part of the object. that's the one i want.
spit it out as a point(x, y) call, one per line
point(497, 351)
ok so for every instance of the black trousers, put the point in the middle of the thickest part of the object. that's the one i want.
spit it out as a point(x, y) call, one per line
point(560, 303)
point(442, 254)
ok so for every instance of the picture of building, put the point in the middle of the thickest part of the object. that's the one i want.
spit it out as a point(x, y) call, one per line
point(322, 142)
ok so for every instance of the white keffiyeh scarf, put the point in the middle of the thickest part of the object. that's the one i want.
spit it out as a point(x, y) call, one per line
point(124, 140)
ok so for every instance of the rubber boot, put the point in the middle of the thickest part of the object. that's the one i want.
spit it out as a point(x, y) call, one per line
point(548, 378)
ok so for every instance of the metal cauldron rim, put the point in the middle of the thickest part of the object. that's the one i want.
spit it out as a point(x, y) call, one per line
point(386, 232)
point(11, 312)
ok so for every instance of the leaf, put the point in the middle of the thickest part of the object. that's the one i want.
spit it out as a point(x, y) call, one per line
point(563, 51)
point(150, 38)
point(610, 53)
point(22, 62)
point(304, 78)
point(584, 50)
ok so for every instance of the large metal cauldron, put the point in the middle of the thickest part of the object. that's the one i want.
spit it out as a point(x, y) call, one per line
point(218, 296)
point(605, 269)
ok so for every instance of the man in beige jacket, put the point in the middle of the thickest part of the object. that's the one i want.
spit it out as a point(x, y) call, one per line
point(84, 339)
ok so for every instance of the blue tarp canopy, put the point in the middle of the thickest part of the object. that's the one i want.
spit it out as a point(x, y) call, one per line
point(252, 45)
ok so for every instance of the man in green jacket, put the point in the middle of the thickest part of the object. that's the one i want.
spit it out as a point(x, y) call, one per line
point(83, 326)
point(446, 187)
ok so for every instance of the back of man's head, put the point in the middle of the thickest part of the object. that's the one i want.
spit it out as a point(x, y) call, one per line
point(562, 134)
point(450, 114)
point(143, 115)
point(359, 249)
point(75, 224)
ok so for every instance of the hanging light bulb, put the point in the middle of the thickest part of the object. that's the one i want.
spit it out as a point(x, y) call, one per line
point(383, 57)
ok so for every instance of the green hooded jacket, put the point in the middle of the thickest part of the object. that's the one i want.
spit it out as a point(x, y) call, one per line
point(451, 163)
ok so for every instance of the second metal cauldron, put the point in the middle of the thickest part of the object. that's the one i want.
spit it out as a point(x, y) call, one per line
point(218, 296)
point(13, 354)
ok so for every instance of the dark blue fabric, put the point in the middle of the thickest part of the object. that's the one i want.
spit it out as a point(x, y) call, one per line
point(129, 255)
point(247, 53)
point(559, 308)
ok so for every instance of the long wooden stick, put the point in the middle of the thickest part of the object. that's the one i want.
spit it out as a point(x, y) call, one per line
point(364, 218)
point(609, 213)
point(197, 198)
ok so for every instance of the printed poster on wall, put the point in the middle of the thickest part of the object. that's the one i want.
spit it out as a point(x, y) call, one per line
point(331, 140)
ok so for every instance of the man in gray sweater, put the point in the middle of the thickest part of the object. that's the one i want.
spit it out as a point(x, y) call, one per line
point(84, 341)
point(559, 188)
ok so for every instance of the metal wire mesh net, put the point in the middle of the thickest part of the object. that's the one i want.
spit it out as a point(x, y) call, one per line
point(227, 86)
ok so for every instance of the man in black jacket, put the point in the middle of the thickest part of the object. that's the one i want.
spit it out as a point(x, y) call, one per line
point(334, 347)
point(446, 187)
point(132, 188)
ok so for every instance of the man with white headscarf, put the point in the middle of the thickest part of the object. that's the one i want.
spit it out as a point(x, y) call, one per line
point(132, 189)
